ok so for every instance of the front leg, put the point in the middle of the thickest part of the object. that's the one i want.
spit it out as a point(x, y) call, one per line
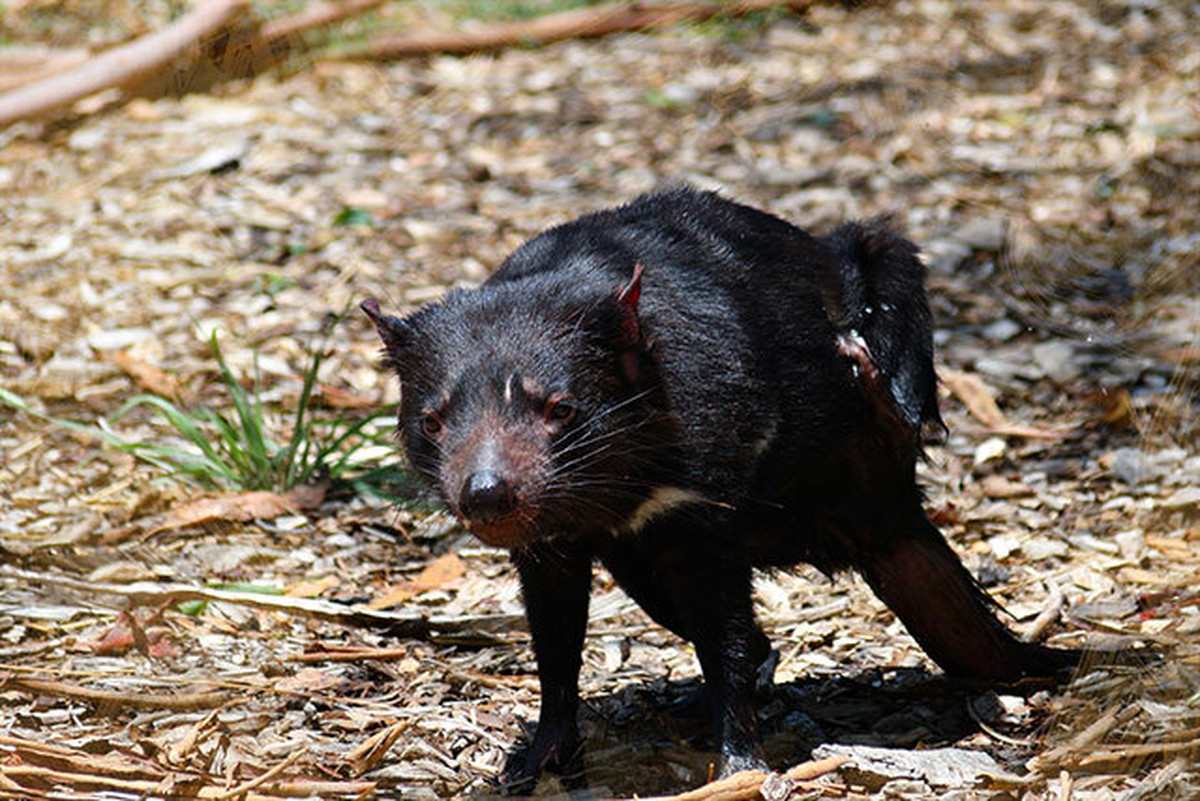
point(729, 644)
point(556, 577)
point(693, 582)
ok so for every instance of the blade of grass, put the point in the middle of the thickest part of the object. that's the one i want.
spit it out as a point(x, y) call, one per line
point(178, 420)
point(17, 402)
point(163, 457)
point(253, 446)
point(301, 432)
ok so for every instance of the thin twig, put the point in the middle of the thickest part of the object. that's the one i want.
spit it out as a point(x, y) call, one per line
point(259, 781)
point(1049, 614)
point(109, 699)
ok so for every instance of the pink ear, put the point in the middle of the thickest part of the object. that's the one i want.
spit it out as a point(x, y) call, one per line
point(627, 299)
point(630, 293)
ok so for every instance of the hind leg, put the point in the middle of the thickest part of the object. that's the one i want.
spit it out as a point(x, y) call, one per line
point(912, 569)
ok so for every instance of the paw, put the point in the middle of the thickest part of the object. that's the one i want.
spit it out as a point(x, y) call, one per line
point(736, 763)
point(764, 677)
point(551, 751)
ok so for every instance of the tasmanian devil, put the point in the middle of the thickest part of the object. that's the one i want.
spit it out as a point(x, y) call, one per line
point(686, 389)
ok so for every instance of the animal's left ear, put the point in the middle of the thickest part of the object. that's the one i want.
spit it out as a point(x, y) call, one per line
point(627, 300)
point(394, 331)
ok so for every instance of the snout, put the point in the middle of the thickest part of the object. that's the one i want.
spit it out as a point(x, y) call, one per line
point(486, 497)
point(489, 505)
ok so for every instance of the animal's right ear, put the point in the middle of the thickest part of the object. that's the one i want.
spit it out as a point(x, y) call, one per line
point(627, 301)
point(394, 331)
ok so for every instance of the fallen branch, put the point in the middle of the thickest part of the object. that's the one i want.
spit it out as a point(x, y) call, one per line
point(214, 43)
point(120, 66)
point(110, 700)
point(269, 792)
point(584, 23)
point(278, 34)
point(26, 65)
point(145, 593)
point(211, 44)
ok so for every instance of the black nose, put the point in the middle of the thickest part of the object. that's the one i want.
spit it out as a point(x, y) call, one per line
point(486, 497)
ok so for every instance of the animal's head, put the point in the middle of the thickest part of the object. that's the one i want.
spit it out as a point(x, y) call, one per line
point(530, 405)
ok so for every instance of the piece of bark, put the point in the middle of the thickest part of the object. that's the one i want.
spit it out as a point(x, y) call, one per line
point(1085, 741)
point(584, 23)
point(938, 767)
point(745, 785)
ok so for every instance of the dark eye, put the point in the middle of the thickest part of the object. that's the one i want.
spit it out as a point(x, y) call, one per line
point(560, 411)
point(431, 424)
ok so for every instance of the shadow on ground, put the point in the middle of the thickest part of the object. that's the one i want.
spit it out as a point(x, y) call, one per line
point(654, 738)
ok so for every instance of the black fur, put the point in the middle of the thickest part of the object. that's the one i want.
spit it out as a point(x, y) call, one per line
point(736, 394)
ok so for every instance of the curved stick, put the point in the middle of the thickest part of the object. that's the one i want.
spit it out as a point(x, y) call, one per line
point(119, 66)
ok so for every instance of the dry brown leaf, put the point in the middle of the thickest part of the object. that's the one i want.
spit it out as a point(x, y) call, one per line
point(240, 507)
point(1118, 408)
point(342, 399)
point(309, 680)
point(311, 589)
point(375, 747)
point(128, 632)
point(148, 377)
point(436, 573)
point(1001, 487)
point(975, 395)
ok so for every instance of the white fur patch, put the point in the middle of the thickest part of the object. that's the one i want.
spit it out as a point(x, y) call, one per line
point(763, 443)
point(661, 501)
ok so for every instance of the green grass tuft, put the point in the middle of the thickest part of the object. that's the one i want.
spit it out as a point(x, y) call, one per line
point(236, 448)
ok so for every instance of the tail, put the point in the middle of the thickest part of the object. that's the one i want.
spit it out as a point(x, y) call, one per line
point(922, 580)
point(875, 297)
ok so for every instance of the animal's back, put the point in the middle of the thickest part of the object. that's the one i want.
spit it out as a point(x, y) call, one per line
point(734, 307)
